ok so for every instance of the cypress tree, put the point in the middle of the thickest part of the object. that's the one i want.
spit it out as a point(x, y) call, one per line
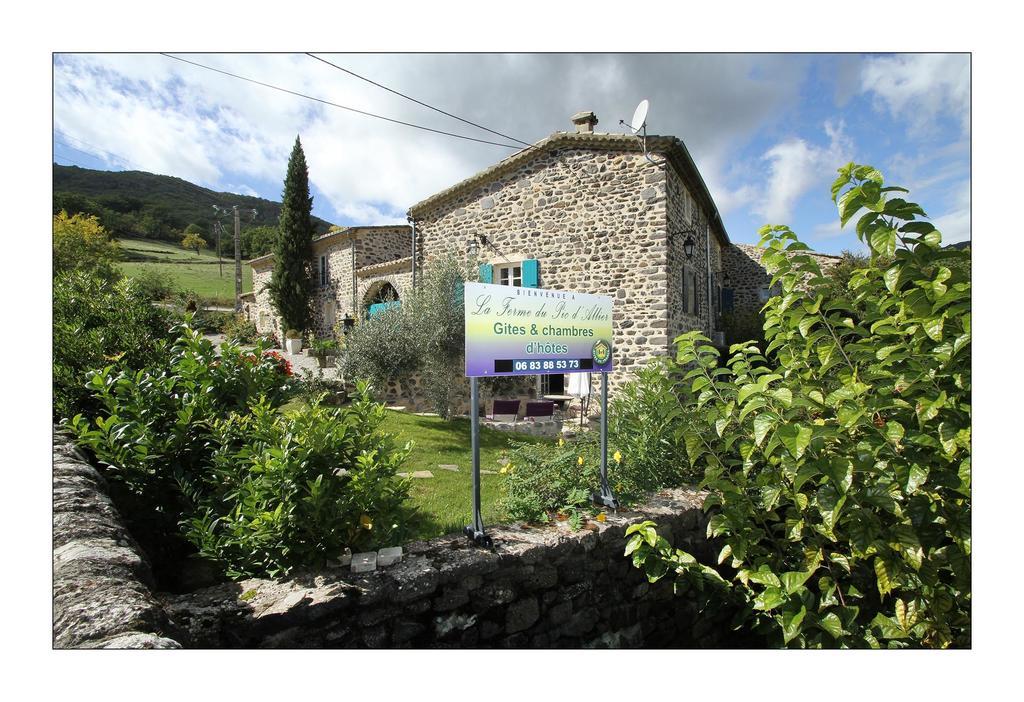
point(291, 285)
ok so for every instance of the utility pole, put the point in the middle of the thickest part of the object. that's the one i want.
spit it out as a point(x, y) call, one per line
point(238, 250)
point(238, 262)
point(220, 261)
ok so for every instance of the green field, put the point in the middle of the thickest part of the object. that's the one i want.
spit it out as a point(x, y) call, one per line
point(186, 269)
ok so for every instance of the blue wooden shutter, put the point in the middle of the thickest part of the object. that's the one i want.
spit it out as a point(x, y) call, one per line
point(531, 273)
point(486, 273)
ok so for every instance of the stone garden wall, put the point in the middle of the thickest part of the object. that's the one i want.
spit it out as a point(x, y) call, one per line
point(101, 579)
point(542, 587)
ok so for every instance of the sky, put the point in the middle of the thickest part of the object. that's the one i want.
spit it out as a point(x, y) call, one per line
point(767, 131)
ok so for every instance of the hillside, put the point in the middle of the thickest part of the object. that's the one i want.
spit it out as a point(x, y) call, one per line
point(135, 203)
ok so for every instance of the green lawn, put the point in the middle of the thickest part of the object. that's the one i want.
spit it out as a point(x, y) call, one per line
point(187, 270)
point(444, 503)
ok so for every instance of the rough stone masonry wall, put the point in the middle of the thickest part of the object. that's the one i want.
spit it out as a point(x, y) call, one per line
point(101, 579)
point(684, 213)
point(594, 219)
point(543, 587)
point(381, 244)
point(748, 276)
point(333, 301)
point(263, 312)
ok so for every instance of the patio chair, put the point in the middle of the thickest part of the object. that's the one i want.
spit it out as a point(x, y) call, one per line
point(539, 410)
point(504, 411)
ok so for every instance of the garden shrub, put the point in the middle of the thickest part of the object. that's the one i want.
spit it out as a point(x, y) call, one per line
point(275, 497)
point(642, 422)
point(541, 477)
point(240, 330)
point(186, 445)
point(840, 474)
point(382, 349)
point(97, 320)
point(81, 244)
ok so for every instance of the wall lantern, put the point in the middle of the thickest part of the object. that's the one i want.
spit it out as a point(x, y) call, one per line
point(475, 241)
point(726, 281)
point(688, 245)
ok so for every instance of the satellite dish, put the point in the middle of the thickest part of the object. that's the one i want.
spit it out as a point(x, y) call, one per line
point(639, 120)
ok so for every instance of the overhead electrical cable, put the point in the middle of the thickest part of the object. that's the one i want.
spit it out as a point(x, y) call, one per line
point(418, 102)
point(334, 104)
point(95, 149)
point(94, 155)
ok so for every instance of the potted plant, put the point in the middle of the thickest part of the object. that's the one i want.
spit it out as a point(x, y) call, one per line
point(293, 341)
point(324, 351)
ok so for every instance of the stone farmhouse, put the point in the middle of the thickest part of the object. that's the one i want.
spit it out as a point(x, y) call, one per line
point(584, 211)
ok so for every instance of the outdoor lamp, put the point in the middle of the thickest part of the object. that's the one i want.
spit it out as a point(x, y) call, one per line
point(726, 281)
point(688, 245)
point(473, 248)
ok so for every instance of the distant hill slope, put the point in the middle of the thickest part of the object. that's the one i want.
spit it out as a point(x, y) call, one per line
point(136, 203)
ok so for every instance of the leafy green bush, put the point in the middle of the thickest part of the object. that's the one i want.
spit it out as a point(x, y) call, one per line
point(296, 489)
point(643, 420)
point(188, 444)
point(155, 283)
point(97, 320)
point(314, 385)
point(240, 330)
point(381, 349)
point(437, 306)
point(840, 475)
point(81, 244)
point(542, 477)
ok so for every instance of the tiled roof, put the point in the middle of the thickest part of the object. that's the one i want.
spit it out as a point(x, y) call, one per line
point(384, 267)
point(671, 147)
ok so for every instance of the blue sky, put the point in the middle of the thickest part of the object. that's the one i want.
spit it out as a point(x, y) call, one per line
point(766, 131)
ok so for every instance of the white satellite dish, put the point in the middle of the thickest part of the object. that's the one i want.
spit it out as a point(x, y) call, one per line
point(639, 120)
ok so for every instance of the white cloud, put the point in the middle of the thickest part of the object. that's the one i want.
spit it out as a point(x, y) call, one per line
point(169, 117)
point(795, 166)
point(921, 87)
point(955, 224)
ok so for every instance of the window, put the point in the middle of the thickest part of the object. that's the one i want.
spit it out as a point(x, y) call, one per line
point(689, 291)
point(511, 274)
point(323, 271)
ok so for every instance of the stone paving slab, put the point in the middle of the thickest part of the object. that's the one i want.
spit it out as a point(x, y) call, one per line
point(449, 467)
point(364, 562)
point(488, 472)
point(389, 556)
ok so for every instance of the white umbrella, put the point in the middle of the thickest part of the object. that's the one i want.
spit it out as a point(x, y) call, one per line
point(579, 384)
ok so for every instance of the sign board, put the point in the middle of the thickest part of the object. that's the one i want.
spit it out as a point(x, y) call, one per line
point(531, 331)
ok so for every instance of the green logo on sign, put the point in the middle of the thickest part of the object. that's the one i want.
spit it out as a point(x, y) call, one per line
point(601, 352)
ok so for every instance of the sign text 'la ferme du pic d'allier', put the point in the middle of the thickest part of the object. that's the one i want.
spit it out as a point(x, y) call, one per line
point(531, 331)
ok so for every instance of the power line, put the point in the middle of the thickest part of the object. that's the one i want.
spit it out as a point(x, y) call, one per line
point(418, 102)
point(95, 148)
point(334, 104)
point(89, 153)
point(73, 162)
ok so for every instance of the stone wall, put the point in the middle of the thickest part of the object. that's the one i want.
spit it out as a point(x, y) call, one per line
point(594, 219)
point(748, 276)
point(101, 579)
point(685, 213)
point(543, 587)
point(345, 289)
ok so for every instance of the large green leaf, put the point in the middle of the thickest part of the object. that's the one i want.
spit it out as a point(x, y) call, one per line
point(795, 437)
point(763, 423)
point(771, 598)
point(883, 241)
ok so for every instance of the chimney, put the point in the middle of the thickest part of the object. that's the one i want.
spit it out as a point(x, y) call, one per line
point(584, 122)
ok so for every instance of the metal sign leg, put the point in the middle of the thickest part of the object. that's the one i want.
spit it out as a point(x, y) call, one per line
point(605, 497)
point(475, 531)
